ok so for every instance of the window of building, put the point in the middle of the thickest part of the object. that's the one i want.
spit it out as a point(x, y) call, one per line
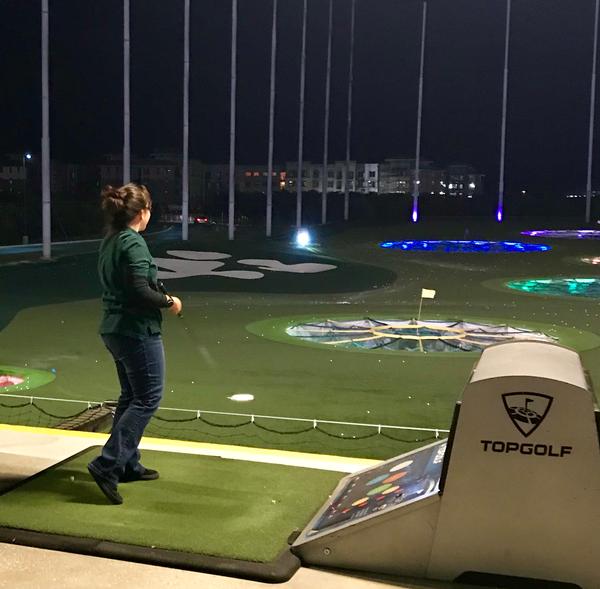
point(371, 173)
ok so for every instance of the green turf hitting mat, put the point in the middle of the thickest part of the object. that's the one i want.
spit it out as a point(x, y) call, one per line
point(204, 513)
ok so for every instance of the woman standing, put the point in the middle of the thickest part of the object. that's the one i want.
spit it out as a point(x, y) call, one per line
point(131, 331)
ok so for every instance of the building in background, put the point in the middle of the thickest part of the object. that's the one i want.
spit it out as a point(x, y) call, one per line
point(361, 177)
point(162, 173)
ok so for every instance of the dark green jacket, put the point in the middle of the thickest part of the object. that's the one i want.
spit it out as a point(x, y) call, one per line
point(130, 299)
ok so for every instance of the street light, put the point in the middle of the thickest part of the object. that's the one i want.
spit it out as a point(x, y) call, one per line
point(26, 157)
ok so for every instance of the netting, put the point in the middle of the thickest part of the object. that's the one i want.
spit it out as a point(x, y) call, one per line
point(40, 412)
point(297, 434)
point(412, 335)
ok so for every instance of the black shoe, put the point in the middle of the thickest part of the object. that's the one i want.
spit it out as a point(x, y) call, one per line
point(147, 475)
point(108, 488)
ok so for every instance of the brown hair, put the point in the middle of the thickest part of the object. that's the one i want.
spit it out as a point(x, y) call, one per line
point(121, 205)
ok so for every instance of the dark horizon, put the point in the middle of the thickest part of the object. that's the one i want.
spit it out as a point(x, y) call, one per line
point(551, 55)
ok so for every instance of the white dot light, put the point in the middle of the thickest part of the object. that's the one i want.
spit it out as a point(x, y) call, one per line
point(241, 397)
point(303, 238)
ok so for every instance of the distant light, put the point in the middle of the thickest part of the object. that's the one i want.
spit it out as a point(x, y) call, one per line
point(472, 185)
point(303, 238)
point(499, 215)
point(415, 214)
point(28, 156)
point(564, 233)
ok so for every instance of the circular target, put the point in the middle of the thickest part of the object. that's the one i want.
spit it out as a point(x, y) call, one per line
point(525, 415)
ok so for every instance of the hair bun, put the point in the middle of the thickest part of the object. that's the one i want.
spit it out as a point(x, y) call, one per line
point(109, 192)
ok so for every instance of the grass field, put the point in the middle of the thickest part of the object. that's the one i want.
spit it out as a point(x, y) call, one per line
point(230, 339)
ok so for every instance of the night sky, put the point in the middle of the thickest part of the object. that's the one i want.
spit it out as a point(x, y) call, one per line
point(551, 56)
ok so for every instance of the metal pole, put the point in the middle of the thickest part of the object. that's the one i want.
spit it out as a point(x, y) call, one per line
point(234, 16)
point(500, 209)
point(185, 168)
point(349, 116)
point(24, 237)
point(271, 121)
point(126, 106)
point(588, 197)
point(417, 179)
point(299, 176)
point(325, 176)
point(46, 196)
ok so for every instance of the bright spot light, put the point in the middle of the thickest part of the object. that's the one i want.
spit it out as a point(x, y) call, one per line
point(28, 156)
point(499, 215)
point(415, 215)
point(303, 238)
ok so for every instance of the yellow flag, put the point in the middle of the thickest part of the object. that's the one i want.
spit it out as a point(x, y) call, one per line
point(427, 293)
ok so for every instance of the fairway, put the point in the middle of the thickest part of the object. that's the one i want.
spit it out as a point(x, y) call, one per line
point(232, 338)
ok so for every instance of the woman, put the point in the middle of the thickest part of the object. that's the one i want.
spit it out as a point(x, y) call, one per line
point(131, 331)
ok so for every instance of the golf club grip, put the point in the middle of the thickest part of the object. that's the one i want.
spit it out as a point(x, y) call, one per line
point(163, 289)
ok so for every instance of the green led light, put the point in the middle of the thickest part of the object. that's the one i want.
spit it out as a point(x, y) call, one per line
point(578, 287)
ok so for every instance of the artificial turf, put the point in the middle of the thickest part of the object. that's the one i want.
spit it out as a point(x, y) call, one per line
point(216, 350)
point(204, 505)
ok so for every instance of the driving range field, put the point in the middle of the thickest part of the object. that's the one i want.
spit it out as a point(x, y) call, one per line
point(240, 299)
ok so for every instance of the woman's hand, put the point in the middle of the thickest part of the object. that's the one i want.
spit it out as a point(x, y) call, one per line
point(176, 307)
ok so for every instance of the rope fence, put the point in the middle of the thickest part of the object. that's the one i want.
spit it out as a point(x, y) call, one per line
point(261, 422)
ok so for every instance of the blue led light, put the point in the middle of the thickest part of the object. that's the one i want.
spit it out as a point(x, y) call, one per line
point(465, 246)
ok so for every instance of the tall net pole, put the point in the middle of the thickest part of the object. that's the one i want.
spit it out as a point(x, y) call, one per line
point(126, 104)
point(234, 16)
point(185, 168)
point(349, 114)
point(299, 177)
point(588, 190)
point(500, 208)
point(417, 179)
point(269, 220)
point(46, 197)
point(325, 176)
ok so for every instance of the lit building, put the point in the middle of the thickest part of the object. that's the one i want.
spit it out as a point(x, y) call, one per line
point(361, 177)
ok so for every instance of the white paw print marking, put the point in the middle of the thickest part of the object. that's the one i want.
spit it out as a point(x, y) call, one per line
point(277, 266)
point(188, 263)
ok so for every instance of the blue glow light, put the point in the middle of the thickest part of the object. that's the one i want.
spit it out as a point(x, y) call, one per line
point(499, 215)
point(464, 246)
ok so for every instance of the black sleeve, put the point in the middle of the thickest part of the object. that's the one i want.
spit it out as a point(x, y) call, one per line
point(144, 294)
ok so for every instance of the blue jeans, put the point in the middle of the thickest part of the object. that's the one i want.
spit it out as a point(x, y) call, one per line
point(141, 369)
